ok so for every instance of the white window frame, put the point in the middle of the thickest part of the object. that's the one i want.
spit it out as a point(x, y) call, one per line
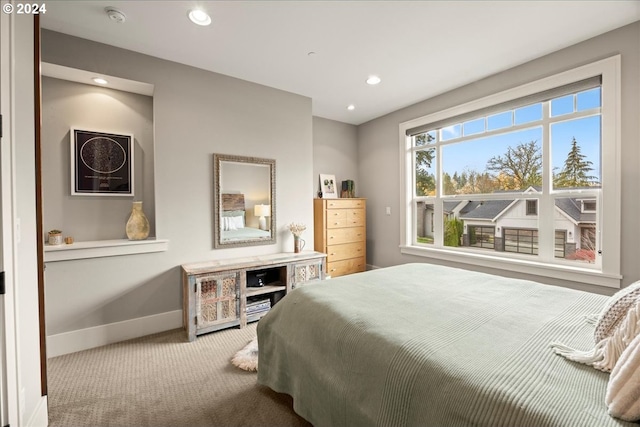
point(609, 207)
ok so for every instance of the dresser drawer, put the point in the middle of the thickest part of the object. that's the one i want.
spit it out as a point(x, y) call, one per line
point(345, 203)
point(336, 218)
point(355, 217)
point(345, 251)
point(337, 236)
point(348, 266)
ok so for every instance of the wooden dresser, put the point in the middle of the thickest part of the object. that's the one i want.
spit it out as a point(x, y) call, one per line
point(340, 232)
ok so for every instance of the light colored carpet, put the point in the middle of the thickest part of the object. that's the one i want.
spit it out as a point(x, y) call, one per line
point(163, 380)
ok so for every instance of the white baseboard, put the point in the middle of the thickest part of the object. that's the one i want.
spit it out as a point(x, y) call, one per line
point(40, 416)
point(83, 339)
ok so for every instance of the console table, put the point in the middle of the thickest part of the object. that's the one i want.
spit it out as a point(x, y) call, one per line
point(232, 292)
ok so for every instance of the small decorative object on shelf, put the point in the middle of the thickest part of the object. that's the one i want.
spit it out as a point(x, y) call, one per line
point(68, 240)
point(328, 186)
point(297, 229)
point(138, 224)
point(55, 237)
point(348, 189)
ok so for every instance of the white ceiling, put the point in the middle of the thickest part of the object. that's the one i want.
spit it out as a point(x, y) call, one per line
point(419, 48)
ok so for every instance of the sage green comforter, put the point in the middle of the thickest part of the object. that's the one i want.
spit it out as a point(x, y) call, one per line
point(424, 345)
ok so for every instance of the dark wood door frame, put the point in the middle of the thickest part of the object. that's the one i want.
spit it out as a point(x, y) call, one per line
point(37, 86)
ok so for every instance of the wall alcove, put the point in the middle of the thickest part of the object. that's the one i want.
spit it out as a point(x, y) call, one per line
point(71, 99)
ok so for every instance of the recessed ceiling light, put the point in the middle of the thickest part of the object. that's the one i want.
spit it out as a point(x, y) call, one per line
point(373, 80)
point(351, 107)
point(200, 17)
point(100, 80)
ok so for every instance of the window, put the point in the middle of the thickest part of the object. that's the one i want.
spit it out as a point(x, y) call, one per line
point(532, 207)
point(561, 240)
point(481, 237)
point(518, 177)
point(588, 206)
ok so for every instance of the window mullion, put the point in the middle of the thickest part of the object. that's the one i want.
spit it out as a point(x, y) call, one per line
point(438, 223)
point(546, 214)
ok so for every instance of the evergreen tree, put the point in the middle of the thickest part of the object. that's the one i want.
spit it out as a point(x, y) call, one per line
point(425, 181)
point(575, 171)
point(448, 185)
point(453, 229)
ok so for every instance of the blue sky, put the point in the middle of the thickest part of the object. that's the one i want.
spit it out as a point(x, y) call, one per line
point(474, 154)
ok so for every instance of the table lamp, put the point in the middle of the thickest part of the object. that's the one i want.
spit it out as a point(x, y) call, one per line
point(261, 211)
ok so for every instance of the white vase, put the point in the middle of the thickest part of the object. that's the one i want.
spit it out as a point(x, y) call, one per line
point(55, 238)
point(138, 224)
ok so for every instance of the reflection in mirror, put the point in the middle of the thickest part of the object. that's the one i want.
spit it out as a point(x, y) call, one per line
point(244, 194)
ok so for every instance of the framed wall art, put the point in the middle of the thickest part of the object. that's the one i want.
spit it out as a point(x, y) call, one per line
point(328, 186)
point(101, 163)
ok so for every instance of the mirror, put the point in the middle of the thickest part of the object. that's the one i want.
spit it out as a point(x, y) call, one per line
point(245, 202)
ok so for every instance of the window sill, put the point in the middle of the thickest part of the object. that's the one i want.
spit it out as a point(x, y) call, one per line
point(103, 248)
point(562, 272)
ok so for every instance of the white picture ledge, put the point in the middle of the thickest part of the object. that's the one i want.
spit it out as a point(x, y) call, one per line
point(103, 248)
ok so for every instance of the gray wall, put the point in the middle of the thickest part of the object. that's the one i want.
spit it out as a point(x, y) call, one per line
point(196, 113)
point(335, 152)
point(68, 104)
point(378, 147)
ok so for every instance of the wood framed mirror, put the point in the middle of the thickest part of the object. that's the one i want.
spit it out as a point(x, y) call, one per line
point(244, 201)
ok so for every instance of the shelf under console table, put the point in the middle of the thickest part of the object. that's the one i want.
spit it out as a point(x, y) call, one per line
point(232, 292)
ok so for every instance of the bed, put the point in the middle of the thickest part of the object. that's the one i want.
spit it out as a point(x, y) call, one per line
point(419, 345)
point(233, 227)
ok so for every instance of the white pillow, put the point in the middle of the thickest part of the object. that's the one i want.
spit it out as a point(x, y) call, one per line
point(236, 222)
point(229, 223)
point(615, 311)
point(623, 329)
point(623, 390)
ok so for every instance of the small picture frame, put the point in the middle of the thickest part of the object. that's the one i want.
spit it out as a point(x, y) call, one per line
point(328, 188)
point(101, 163)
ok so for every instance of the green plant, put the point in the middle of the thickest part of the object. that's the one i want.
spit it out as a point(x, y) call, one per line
point(453, 229)
point(55, 232)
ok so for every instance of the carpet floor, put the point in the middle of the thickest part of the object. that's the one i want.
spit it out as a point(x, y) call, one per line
point(163, 380)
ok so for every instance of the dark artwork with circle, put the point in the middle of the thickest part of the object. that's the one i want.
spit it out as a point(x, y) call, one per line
point(102, 163)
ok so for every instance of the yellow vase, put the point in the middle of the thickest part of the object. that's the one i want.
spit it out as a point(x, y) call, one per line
point(138, 224)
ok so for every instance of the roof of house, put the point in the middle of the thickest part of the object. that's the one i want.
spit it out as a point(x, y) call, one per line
point(488, 209)
point(449, 206)
point(572, 207)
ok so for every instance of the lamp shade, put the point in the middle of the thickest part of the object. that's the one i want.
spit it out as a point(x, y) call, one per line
point(262, 210)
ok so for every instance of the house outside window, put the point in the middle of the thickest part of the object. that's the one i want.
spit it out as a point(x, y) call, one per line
point(482, 237)
point(523, 173)
point(588, 206)
point(521, 240)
